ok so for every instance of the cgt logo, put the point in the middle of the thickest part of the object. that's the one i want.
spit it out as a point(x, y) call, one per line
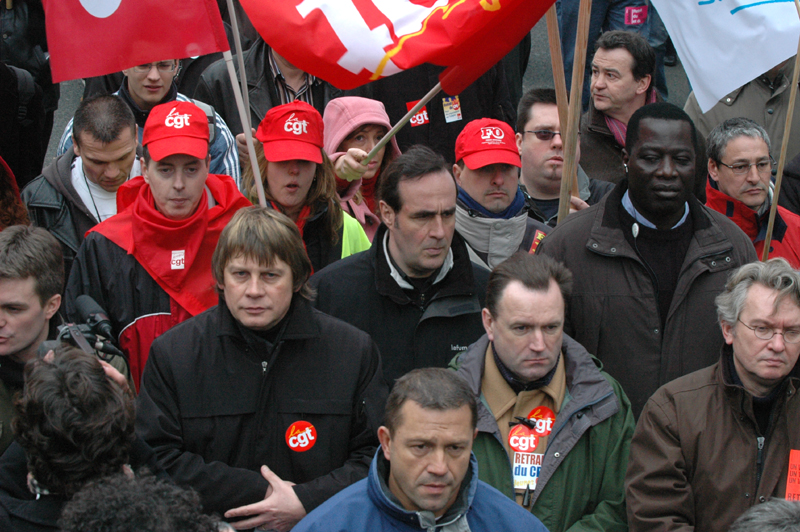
point(421, 117)
point(176, 120)
point(544, 419)
point(301, 436)
point(491, 133)
point(178, 261)
point(296, 126)
point(522, 439)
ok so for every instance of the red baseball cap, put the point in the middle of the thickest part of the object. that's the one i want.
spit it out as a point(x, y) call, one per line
point(487, 141)
point(176, 127)
point(292, 131)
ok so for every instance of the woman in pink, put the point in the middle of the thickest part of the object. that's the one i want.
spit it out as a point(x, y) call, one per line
point(353, 126)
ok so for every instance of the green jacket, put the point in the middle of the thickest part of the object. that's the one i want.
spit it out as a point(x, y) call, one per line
point(581, 483)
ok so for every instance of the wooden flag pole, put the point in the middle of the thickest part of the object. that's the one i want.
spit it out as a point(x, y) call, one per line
point(576, 94)
point(784, 145)
point(403, 121)
point(556, 59)
point(244, 115)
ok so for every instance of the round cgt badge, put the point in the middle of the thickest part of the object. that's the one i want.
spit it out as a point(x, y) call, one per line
point(301, 436)
point(522, 439)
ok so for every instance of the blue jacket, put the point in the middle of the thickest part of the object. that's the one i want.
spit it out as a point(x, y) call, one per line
point(366, 506)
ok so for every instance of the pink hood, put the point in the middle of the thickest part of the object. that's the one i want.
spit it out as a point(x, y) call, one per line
point(346, 114)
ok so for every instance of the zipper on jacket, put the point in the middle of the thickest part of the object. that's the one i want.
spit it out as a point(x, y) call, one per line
point(264, 367)
point(759, 460)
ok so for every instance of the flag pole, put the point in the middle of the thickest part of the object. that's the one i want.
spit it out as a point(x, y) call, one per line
point(244, 115)
point(784, 147)
point(576, 94)
point(403, 121)
point(556, 59)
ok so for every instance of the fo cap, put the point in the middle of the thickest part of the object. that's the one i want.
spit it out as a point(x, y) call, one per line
point(487, 141)
point(176, 127)
point(292, 131)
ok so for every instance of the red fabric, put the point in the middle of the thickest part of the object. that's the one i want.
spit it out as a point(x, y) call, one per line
point(10, 179)
point(155, 238)
point(118, 34)
point(352, 42)
point(785, 241)
point(368, 192)
point(619, 129)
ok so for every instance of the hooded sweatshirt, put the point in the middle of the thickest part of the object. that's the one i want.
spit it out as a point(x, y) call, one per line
point(342, 117)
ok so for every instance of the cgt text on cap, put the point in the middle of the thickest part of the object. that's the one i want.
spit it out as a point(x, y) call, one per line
point(176, 127)
point(292, 131)
point(487, 141)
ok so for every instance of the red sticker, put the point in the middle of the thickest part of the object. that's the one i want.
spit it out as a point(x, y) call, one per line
point(421, 117)
point(545, 418)
point(522, 439)
point(793, 477)
point(635, 15)
point(301, 436)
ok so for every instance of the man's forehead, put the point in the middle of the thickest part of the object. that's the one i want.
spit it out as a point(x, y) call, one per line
point(544, 114)
point(661, 131)
point(614, 58)
point(413, 192)
point(126, 137)
point(734, 149)
point(763, 302)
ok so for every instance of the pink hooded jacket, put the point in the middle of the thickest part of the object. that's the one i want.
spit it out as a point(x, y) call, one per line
point(343, 116)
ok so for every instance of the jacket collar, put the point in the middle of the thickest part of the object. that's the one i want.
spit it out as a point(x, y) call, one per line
point(458, 281)
point(138, 113)
point(751, 222)
point(380, 495)
point(301, 325)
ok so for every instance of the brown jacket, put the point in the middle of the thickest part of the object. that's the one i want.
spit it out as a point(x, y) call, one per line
point(613, 310)
point(601, 156)
point(694, 457)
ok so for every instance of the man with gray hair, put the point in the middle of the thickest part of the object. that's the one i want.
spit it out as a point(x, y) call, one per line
point(739, 186)
point(776, 515)
point(424, 476)
point(716, 442)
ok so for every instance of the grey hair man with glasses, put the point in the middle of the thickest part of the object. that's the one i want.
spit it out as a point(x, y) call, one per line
point(716, 442)
point(541, 149)
point(739, 186)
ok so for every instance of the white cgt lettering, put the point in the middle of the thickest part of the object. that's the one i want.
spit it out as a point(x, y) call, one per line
point(365, 46)
point(523, 443)
point(302, 439)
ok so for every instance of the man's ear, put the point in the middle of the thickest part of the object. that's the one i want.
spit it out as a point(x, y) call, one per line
point(713, 169)
point(144, 170)
point(385, 437)
point(518, 136)
point(727, 332)
point(625, 158)
point(457, 174)
point(52, 305)
point(387, 213)
point(643, 84)
point(487, 319)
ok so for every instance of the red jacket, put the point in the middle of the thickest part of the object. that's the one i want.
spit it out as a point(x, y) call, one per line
point(156, 276)
point(785, 235)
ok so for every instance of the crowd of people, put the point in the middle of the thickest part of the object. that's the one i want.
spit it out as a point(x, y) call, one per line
point(406, 341)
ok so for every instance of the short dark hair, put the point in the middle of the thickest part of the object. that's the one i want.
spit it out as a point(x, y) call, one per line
point(528, 100)
point(263, 235)
point(534, 272)
point(103, 116)
point(644, 57)
point(121, 504)
point(73, 422)
point(432, 389)
point(775, 515)
point(27, 251)
point(414, 163)
point(660, 111)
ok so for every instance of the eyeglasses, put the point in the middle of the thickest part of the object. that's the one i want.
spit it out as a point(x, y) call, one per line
point(162, 66)
point(792, 336)
point(544, 134)
point(763, 167)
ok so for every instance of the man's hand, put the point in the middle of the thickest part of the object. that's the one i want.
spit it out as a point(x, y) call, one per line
point(241, 147)
point(280, 510)
point(348, 167)
point(576, 204)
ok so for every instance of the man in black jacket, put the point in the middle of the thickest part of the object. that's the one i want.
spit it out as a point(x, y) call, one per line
point(415, 290)
point(262, 404)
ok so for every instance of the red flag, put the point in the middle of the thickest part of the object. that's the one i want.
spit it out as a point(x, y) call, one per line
point(352, 42)
point(96, 37)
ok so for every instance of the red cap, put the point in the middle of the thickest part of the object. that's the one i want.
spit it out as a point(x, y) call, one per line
point(487, 141)
point(176, 127)
point(292, 131)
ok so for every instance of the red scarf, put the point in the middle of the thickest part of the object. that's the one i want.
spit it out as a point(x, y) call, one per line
point(368, 191)
point(302, 217)
point(620, 130)
point(158, 243)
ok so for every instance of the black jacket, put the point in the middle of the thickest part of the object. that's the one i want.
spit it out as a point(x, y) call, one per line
point(54, 204)
point(360, 290)
point(215, 404)
point(214, 88)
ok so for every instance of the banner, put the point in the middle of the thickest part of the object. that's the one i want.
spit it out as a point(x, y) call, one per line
point(724, 44)
point(352, 42)
point(96, 37)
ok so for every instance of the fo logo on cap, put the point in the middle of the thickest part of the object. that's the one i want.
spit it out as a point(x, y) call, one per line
point(492, 133)
point(296, 126)
point(522, 439)
point(301, 436)
point(176, 120)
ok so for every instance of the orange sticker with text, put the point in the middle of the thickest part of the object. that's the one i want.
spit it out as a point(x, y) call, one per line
point(301, 436)
point(793, 478)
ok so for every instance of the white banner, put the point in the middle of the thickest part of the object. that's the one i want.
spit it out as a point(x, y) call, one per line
point(724, 44)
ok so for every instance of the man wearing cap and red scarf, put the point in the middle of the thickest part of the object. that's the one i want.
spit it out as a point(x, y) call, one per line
point(149, 267)
point(491, 213)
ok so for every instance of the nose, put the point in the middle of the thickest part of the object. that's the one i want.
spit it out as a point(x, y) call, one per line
point(254, 287)
point(557, 142)
point(436, 228)
point(536, 342)
point(179, 183)
point(437, 464)
point(668, 168)
point(111, 170)
point(596, 81)
point(777, 343)
point(752, 175)
point(498, 177)
point(293, 167)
